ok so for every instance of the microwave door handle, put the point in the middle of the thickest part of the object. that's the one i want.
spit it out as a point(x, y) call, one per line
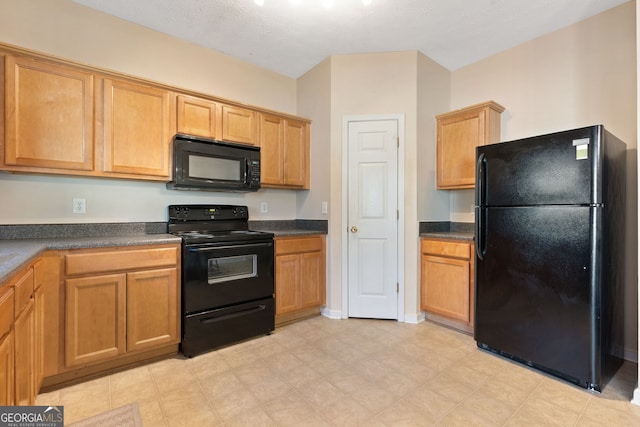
point(246, 171)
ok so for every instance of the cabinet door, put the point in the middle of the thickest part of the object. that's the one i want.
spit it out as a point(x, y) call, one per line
point(152, 308)
point(7, 377)
point(95, 318)
point(39, 336)
point(24, 329)
point(312, 279)
point(287, 278)
point(139, 124)
point(49, 116)
point(296, 152)
point(445, 287)
point(239, 125)
point(458, 136)
point(271, 150)
point(7, 369)
point(196, 116)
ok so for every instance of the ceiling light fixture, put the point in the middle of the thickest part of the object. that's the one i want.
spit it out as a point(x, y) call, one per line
point(325, 3)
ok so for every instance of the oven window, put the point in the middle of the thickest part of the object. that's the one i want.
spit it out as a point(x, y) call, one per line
point(214, 168)
point(225, 269)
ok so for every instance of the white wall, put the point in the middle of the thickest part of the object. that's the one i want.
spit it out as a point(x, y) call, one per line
point(314, 100)
point(370, 84)
point(74, 32)
point(434, 97)
point(581, 75)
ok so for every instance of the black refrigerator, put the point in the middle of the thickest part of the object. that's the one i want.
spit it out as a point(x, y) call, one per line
point(550, 252)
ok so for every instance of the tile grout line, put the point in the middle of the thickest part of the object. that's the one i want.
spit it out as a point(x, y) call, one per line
point(584, 409)
point(158, 396)
point(523, 402)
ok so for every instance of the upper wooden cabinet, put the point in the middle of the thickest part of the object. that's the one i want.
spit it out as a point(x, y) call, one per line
point(284, 152)
point(139, 124)
point(197, 116)
point(212, 119)
point(239, 125)
point(64, 120)
point(67, 118)
point(459, 133)
point(49, 116)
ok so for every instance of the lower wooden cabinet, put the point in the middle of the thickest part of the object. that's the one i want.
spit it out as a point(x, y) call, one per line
point(125, 300)
point(152, 308)
point(7, 367)
point(76, 313)
point(7, 370)
point(24, 350)
point(25, 357)
point(24, 336)
point(300, 276)
point(446, 283)
point(95, 318)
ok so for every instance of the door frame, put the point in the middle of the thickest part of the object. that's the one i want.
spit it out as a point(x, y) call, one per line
point(399, 118)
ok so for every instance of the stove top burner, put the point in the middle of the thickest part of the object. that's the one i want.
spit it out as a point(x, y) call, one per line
point(202, 224)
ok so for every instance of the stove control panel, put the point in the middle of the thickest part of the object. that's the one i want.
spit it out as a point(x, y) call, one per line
point(208, 213)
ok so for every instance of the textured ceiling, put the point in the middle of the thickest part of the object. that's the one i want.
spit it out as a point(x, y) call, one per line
point(291, 39)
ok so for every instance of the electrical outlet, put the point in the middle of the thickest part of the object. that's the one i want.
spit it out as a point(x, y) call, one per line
point(325, 208)
point(264, 207)
point(79, 205)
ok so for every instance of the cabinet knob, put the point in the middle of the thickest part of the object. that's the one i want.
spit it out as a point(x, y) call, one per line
point(354, 229)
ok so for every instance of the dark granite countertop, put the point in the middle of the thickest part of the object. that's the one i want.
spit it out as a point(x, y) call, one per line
point(290, 232)
point(449, 235)
point(447, 230)
point(21, 244)
point(15, 254)
point(294, 227)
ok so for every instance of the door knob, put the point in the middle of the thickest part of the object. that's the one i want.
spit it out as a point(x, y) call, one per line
point(354, 229)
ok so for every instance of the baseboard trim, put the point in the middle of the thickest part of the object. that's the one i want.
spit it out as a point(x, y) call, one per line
point(332, 314)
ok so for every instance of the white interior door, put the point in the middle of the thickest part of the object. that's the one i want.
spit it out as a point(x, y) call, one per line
point(373, 219)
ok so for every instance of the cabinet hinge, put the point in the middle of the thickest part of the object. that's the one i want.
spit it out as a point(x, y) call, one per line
point(398, 214)
point(397, 287)
point(398, 141)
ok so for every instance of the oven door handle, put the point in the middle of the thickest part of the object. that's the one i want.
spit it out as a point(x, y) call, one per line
point(215, 248)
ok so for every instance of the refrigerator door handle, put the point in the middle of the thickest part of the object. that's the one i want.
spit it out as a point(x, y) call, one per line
point(480, 250)
point(481, 174)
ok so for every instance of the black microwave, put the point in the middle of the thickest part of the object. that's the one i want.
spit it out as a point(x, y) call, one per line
point(211, 165)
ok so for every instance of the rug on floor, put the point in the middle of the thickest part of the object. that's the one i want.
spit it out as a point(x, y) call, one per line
point(124, 416)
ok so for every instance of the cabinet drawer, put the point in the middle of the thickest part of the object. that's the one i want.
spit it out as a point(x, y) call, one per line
point(23, 288)
point(6, 309)
point(455, 249)
point(299, 245)
point(112, 260)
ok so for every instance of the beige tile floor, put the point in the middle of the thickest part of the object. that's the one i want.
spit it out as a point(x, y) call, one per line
point(350, 373)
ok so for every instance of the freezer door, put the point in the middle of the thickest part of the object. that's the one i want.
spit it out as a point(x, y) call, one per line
point(535, 288)
point(560, 168)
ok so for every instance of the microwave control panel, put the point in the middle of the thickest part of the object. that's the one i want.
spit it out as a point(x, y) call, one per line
point(254, 172)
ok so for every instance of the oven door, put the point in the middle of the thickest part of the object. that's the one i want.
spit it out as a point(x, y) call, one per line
point(218, 275)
